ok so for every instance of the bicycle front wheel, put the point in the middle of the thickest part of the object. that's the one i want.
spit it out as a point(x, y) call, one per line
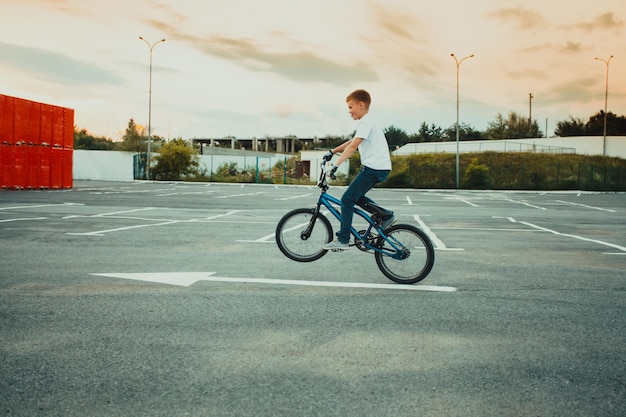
point(300, 237)
point(407, 254)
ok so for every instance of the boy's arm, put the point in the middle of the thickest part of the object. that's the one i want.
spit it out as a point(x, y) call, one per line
point(347, 148)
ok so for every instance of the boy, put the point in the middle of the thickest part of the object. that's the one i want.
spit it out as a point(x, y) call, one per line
point(370, 140)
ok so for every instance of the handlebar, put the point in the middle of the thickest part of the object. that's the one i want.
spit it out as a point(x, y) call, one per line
point(323, 181)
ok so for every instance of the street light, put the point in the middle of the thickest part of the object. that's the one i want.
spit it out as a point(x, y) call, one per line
point(606, 98)
point(458, 64)
point(150, 104)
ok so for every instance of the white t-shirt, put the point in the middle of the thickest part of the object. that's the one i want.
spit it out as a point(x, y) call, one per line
point(374, 149)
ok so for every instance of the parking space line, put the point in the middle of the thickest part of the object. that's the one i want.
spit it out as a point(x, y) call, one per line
point(554, 232)
point(466, 202)
point(120, 229)
point(524, 203)
point(292, 198)
point(585, 206)
point(437, 243)
point(22, 219)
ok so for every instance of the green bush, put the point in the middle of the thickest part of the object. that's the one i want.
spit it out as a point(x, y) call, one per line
point(476, 175)
point(509, 171)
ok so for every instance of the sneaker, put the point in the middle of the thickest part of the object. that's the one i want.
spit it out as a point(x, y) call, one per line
point(389, 222)
point(336, 245)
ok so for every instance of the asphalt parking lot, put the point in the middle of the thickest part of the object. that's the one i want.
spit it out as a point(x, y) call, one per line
point(172, 299)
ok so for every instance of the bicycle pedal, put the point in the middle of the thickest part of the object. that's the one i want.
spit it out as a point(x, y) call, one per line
point(337, 250)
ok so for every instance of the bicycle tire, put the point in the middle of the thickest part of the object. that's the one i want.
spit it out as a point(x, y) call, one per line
point(290, 239)
point(419, 250)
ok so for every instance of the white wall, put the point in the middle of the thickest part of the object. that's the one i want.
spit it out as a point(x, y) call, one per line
point(103, 165)
point(211, 163)
point(118, 166)
point(584, 145)
point(316, 159)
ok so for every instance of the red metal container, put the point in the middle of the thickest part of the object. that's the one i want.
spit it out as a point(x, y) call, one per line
point(7, 105)
point(68, 167)
point(58, 124)
point(32, 167)
point(56, 168)
point(6, 166)
point(18, 180)
point(45, 152)
point(68, 128)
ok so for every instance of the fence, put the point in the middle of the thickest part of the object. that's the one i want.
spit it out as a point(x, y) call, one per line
point(560, 176)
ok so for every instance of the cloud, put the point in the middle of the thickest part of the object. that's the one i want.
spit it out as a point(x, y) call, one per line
point(605, 21)
point(523, 19)
point(580, 90)
point(569, 47)
point(295, 65)
point(170, 12)
point(64, 6)
point(55, 67)
point(529, 73)
point(401, 41)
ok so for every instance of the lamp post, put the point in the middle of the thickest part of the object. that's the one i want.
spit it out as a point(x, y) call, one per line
point(458, 64)
point(150, 105)
point(606, 98)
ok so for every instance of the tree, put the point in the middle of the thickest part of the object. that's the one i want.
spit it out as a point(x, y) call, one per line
point(134, 139)
point(573, 127)
point(515, 127)
point(396, 137)
point(432, 133)
point(466, 132)
point(615, 125)
point(85, 140)
point(175, 160)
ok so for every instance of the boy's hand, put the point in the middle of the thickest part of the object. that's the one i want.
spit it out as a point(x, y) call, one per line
point(332, 172)
point(328, 156)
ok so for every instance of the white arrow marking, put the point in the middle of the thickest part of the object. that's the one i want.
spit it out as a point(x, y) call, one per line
point(184, 279)
point(187, 278)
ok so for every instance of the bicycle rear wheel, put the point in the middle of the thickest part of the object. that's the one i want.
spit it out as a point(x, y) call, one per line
point(411, 259)
point(301, 239)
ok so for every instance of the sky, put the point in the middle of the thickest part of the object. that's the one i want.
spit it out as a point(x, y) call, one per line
point(274, 68)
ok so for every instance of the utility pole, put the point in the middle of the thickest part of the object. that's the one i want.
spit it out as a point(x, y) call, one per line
point(530, 114)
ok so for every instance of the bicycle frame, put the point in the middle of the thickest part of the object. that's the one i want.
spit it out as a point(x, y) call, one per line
point(330, 202)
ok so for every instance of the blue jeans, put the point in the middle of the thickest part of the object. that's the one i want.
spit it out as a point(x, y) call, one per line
point(363, 182)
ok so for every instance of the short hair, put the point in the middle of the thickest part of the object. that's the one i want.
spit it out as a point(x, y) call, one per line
point(360, 95)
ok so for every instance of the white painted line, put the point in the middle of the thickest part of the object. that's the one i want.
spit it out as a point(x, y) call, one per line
point(511, 219)
point(223, 215)
point(466, 202)
point(239, 195)
point(264, 239)
point(554, 232)
point(41, 205)
point(524, 203)
point(409, 201)
point(188, 278)
point(22, 219)
point(292, 198)
point(121, 229)
point(586, 206)
point(123, 212)
point(333, 284)
point(437, 243)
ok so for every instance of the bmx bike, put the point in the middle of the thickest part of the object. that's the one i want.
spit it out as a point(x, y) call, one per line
point(403, 253)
